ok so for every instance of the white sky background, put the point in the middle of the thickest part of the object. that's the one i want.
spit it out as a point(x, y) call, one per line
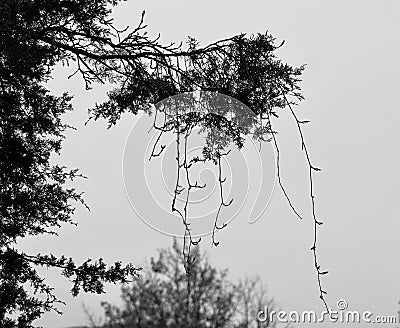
point(351, 49)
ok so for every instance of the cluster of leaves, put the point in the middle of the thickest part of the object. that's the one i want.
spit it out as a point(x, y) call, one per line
point(243, 68)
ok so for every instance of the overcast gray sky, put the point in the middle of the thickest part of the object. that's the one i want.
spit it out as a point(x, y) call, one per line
point(351, 49)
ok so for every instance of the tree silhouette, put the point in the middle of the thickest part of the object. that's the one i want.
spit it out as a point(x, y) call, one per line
point(166, 296)
point(34, 200)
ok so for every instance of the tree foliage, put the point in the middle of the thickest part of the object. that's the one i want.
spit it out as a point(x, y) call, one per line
point(166, 296)
point(34, 199)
